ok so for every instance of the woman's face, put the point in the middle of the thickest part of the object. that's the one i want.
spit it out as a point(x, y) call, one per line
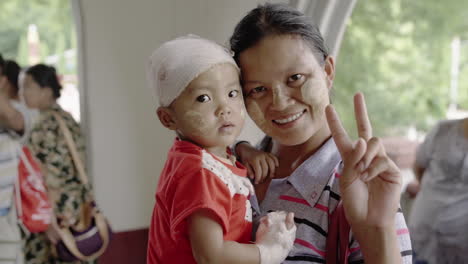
point(286, 89)
point(32, 93)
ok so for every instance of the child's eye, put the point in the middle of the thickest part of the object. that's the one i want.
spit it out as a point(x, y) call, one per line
point(233, 93)
point(203, 98)
point(295, 78)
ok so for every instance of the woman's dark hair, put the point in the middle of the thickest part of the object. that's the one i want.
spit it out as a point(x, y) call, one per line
point(2, 62)
point(276, 19)
point(45, 76)
point(11, 70)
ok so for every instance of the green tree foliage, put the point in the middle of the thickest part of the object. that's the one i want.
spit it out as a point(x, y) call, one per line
point(53, 19)
point(398, 54)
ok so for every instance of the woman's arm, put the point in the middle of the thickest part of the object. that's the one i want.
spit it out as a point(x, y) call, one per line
point(208, 245)
point(370, 187)
point(378, 244)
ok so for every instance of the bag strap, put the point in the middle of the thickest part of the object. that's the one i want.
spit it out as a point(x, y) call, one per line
point(101, 222)
point(337, 248)
point(70, 243)
point(72, 147)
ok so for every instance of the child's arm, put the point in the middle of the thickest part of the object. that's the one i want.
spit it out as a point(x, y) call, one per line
point(260, 165)
point(209, 247)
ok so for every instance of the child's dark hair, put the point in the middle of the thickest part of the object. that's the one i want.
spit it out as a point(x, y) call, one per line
point(11, 70)
point(45, 76)
point(276, 19)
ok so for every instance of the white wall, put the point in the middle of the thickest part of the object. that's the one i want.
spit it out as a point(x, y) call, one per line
point(126, 143)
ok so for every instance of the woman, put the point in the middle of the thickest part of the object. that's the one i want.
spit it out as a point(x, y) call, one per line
point(439, 215)
point(14, 116)
point(16, 121)
point(287, 76)
point(67, 193)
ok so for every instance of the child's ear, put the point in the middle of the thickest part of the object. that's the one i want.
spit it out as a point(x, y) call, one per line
point(166, 117)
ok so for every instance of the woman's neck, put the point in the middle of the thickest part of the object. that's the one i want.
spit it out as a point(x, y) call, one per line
point(291, 157)
point(48, 104)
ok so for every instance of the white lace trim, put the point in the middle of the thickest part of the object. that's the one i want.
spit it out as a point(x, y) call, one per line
point(235, 183)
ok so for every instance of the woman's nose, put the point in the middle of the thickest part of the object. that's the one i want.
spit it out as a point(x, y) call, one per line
point(280, 97)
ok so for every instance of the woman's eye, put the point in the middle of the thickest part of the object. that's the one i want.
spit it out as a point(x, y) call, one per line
point(233, 93)
point(203, 98)
point(295, 78)
point(257, 90)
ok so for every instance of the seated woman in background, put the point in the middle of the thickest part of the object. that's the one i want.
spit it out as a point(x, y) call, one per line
point(47, 142)
point(439, 213)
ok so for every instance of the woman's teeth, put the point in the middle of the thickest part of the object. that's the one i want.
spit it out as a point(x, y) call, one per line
point(289, 119)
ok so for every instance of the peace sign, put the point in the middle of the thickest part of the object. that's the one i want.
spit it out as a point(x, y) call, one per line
point(370, 183)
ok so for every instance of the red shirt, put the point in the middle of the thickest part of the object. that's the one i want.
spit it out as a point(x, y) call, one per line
point(193, 179)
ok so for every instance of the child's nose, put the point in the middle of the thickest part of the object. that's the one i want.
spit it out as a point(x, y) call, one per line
point(224, 110)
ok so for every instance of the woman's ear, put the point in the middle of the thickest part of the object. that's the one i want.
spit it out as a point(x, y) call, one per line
point(166, 117)
point(330, 71)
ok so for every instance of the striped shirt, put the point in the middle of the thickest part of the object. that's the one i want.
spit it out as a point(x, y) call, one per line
point(312, 193)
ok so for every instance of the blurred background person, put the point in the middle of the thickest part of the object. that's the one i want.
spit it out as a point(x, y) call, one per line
point(14, 116)
point(16, 121)
point(66, 192)
point(440, 211)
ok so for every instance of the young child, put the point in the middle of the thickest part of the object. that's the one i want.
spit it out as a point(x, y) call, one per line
point(202, 212)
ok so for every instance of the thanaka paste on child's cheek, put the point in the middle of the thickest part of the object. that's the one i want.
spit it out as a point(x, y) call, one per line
point(195, 123)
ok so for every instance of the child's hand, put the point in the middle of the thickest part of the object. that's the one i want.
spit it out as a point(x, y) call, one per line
point(259, 164)
point(275, 237)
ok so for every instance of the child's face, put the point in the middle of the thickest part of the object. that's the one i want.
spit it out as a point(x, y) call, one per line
point(210, 111)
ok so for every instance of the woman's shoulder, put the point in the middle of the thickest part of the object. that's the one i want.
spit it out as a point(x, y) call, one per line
point(51, 114)
point(445, 128)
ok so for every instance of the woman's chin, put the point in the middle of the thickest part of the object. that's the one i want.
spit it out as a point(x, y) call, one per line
point(291, 139)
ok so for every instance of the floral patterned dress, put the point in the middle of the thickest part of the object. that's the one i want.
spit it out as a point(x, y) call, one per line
point(48, 143)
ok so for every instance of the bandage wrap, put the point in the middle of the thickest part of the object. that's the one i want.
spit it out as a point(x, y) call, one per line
point(274, 239)
point(176, 63)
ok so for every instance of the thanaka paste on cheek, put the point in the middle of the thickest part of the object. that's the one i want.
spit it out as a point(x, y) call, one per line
point(195, 123)
point(242, 113)
point(315, 94)
point(257, 116)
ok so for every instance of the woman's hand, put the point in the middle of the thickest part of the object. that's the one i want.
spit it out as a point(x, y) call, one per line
point(260, 165)
point(52, 232)
point(370, 183)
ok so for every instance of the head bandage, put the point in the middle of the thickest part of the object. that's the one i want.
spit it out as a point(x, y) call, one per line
point(177, 62)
